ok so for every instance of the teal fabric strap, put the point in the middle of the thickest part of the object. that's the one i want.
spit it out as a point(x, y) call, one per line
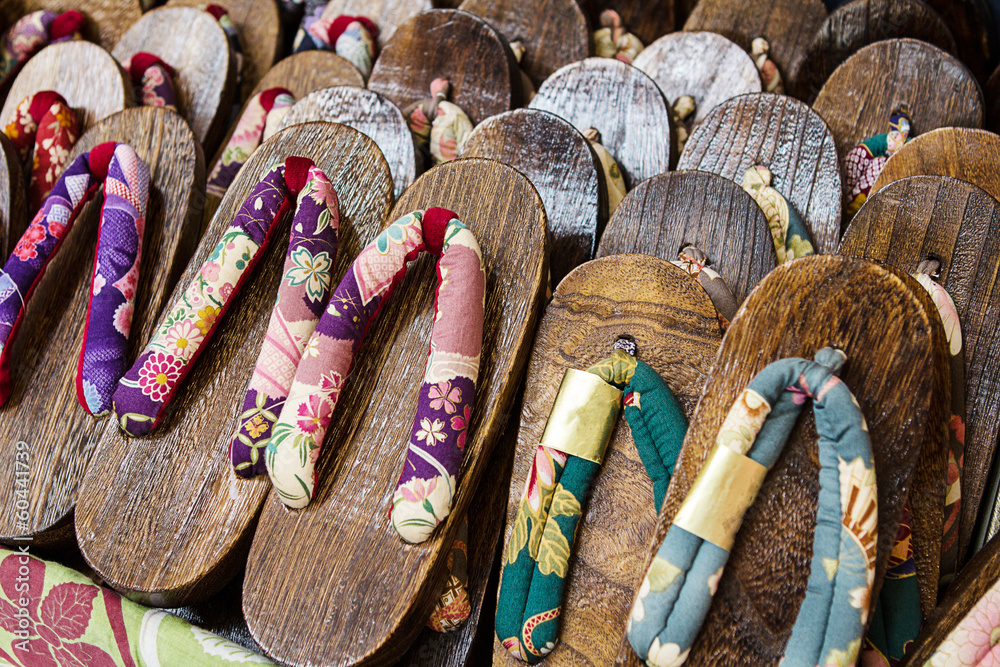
point(537, 562)
point(677, 591)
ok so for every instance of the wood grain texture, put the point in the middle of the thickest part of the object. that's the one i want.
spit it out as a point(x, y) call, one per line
point(388, 15)
point(559, 162)
point(959, 224)
point(328, 556)
point(789, 26)
point(368, 113)
point(968, 24)
point(43, 409)
point(106, 20)
point(933, 87)
point(668, 211)
point(788, 138)
point(85, 74)
point(457, 46)
point(646, 19)
point(975, 580)
point(870, 314)
point(677, 331)
point(163, 517)
point(13, 197)
point(625, 106)
point(963, 153)
point(863, 22)
point(554, 32)
point(303, 73)
point(259, 29)
point(190, 41)
point(704, 65)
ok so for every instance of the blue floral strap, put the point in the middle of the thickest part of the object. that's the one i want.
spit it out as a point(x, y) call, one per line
point(677, 591)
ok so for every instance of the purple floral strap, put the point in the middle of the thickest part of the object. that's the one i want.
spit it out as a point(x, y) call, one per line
point(33, 31)
point(152, 79)
point(149, 385)
point(108, 320)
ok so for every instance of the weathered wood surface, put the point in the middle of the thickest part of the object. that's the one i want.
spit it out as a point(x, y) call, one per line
point(163, 517)
point(106, 20)
point(388, 15)
point(704, 65)
point(327, 556)
point(303, 73)
point(13, 198)
point(863, 22)
point(870, 314)
point(554, 32)
point(193, 44)
point(669, 211)
point(960, 152)
point(968, 24)
point(85, 74)
point(931, 86)
point(259, 29)
point(788, 138)
point(368, 113)
point(677, 332)
point(559, 162)
point(625, 106)
point(789, 26)
point(978, 577)
point(957, 223)
point(455, 45)
point(43, 409)
point(646, 19)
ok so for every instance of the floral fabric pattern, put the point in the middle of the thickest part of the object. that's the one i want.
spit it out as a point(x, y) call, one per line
point(113, 284)
point(439, 128)
point(975, 641)
point(863, 163)
point(677, 590)
point(33, 31)
point(612, 40)
point(770, 77)
point(353, 38)
point(694, 262)
point(263, 115)
point(427, 483)
point(452, 607)
point(302, 296)
point(790, 236)
point(45, 129)
point(187, 326)
point(152, 79)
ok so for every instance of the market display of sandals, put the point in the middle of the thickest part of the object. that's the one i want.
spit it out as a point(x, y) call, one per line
point(557, 332)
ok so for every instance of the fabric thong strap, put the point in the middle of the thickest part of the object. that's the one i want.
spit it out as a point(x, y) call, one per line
point(45, 130)
point(439, 127)
point(146, 390)
point(788, 232)
point(33, 31)
point(116, 266)
point(678, 587)
point(437, 441)
point(354, 38)
point(533, 584)
point(863, 163)
point(152, 80)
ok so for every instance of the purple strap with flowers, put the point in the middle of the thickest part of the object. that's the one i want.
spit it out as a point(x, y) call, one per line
point(116, 267)
point(148, 387)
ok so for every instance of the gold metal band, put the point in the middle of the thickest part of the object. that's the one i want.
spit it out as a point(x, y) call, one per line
point(583, 416)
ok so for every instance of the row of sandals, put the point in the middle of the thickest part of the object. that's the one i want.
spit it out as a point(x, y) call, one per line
point(157, 515)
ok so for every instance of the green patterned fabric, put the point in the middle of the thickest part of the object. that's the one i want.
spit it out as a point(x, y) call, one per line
point(540, 547)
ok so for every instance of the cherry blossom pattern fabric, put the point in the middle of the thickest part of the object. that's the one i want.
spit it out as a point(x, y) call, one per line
point(116, 267)
point(33, 31)
point(55, 616)
point(770, 76)
point(790, 236)
point(682, 578)
point(264, 113)
point(427, 483)
point(973, 641)
point(863, 163)
point(302, 296)
point(612, 40)
point(354, 38)
point(187, 326)
point(45, 130)
point(152, 79)
point(440, 128)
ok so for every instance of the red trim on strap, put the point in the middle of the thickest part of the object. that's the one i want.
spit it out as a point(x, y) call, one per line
point(218, 11)
point(66, 24)
point(434, 224)
point(340, 24)
point(142, 61)
point(268, 96)
point(100, 158)
point(42, 102)
point(297, 173)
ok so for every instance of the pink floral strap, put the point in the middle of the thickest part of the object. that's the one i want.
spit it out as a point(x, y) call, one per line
point(149, 386)
point(153, 80)
point(428, 480)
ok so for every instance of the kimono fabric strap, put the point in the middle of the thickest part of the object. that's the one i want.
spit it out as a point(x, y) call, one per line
point(146, 390)
point(536, 566)
point(152, 79)
point(439, 127)
point(676, 593)
point(116, 266)
point(427, 483)
point(44, 129)
point(33, 31)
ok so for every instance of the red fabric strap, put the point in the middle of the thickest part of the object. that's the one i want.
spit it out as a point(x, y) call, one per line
point(42, 102)
point(141, 62)
point(66, 24)
point(296, 173)
point(435, 223)
point(268, 96)
point(100, 158)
